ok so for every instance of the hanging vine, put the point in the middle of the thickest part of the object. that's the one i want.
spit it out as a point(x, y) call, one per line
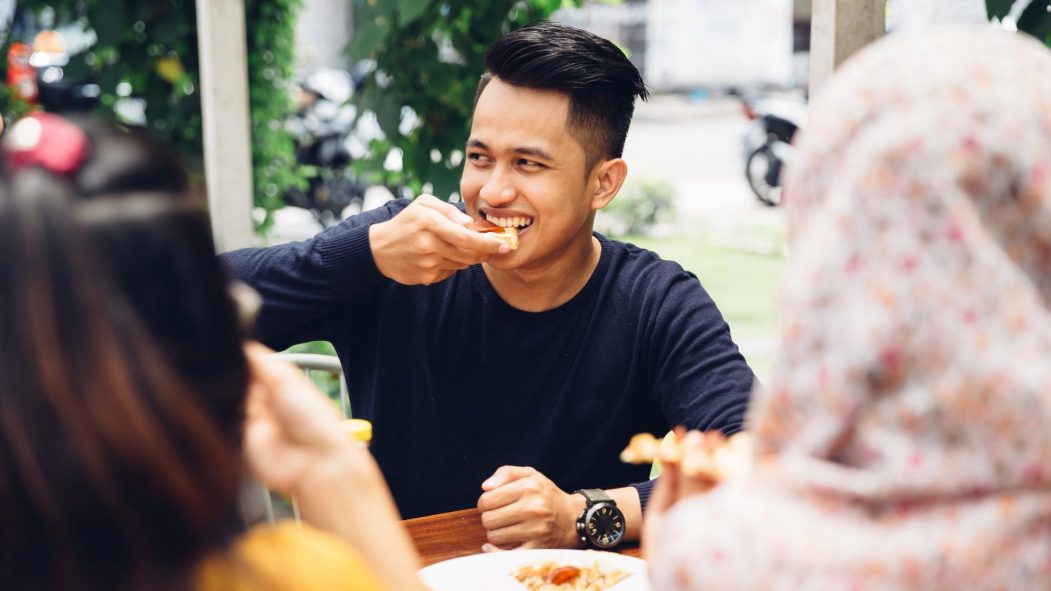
point(148, 50)
point(428, 56)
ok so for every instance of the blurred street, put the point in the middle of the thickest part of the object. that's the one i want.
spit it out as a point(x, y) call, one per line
point(696, 146)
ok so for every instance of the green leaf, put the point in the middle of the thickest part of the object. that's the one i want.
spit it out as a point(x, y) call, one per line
point(1035, 20)
point(998, 8)
point(388, 114)
point(410, 10)
point(441, 92)
point(108, 79)
point(165, 30)
point(446, 180)
point(77, 68)
point(368, 37)
point(109, 24)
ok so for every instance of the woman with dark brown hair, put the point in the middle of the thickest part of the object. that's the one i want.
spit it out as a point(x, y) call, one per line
point(123, 386)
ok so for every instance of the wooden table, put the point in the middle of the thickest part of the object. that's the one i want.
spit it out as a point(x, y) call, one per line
point(459, 533)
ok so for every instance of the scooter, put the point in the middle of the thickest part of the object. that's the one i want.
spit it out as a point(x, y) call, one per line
point(768, 143)
point(320, 127)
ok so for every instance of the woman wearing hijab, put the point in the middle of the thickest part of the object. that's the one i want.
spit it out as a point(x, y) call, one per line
point(903, 440)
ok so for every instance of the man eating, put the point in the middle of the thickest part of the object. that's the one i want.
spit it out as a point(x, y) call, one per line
point(522, 372)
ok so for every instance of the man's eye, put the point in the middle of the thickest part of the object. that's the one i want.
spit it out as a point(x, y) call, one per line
point(529, 163)
point(478, 158)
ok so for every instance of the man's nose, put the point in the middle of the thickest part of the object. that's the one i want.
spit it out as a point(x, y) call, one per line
point(499, 188)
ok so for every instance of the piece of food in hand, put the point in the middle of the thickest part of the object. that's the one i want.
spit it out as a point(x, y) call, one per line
point(508, 235)
point(709, 456)
point(642, 449)
point(735, 457)
point(670, 449)
point(551, 576)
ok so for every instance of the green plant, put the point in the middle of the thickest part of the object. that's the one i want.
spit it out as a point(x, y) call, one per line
point(639, 207)
point(1035, 18)
point(428, 55)
point(12, 107)
point(271, 53)
point(148, 50)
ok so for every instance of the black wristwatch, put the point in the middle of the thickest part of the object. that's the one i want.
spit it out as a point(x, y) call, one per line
point(601, 524)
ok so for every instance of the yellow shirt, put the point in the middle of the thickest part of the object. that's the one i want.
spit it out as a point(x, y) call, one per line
point(287, 557)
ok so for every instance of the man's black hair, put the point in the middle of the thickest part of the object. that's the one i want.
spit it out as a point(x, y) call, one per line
point(600, 80)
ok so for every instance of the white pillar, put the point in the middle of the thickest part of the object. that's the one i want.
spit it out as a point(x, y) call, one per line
point(227, 129)
point(838, 28)
point(323, 29)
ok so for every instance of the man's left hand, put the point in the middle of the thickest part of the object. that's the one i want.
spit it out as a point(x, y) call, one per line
point(522, 508)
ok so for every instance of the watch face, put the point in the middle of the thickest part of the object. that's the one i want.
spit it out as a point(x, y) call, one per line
point(604, 525)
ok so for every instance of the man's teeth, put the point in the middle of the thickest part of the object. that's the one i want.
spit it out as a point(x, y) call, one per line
point(517, 222)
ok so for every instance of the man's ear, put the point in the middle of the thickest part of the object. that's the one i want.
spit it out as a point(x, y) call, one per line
point(607, 178)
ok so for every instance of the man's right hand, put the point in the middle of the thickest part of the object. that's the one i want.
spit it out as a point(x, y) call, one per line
point(429, 241)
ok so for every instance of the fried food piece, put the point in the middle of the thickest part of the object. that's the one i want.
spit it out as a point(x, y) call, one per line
point(709, 456)
point(508, 234)
point(642, 449)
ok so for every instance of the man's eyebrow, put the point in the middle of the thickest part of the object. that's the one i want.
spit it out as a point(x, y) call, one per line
point(521, 151)
point(531, 151)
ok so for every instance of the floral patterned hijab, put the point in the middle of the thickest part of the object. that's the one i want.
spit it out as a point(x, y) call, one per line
point(904, 440)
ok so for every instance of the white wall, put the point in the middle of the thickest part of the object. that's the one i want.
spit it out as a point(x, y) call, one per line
point(903, 15)
point(693, 43)
point(322, 32)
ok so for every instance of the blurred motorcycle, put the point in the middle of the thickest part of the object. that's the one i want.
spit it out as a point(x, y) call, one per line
point(768, 143)
point(321, 126)
point(37, 70)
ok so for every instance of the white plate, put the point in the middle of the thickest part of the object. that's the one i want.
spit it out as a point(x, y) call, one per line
point(493, 571)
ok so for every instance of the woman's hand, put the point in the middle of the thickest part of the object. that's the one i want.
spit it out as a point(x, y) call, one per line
point(294, 443)
point(291, 429)
point(673, 486)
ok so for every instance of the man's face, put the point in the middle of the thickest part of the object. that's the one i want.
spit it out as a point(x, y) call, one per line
point(524, 168)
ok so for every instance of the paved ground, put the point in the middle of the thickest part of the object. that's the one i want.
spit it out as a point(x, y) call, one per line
point(696, 145)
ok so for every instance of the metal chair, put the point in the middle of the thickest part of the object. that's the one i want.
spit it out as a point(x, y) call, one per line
point(309, 363)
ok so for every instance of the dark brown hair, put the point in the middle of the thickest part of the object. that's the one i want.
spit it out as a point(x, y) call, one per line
point(122, 376)
point(601, 82)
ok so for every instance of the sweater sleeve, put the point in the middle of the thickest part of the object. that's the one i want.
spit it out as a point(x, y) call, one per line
point(644, 489)
point(302, 283)
point(701, 380)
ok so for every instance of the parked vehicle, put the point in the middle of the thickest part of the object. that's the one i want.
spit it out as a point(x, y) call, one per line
point(36, 69)
point(320, 127)
point(768, 143)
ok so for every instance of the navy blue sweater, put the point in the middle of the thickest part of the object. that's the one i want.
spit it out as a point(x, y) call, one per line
point(457, 382)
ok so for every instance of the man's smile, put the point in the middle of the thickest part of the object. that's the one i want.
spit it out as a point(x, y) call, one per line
point(520, 222)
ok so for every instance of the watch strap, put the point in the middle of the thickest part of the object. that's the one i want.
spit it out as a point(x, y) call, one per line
point(595, 495)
